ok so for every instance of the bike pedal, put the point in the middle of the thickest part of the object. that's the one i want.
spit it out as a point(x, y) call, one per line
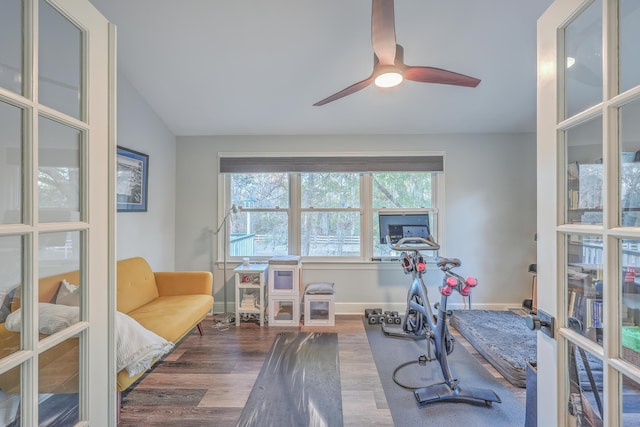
point(422, 360)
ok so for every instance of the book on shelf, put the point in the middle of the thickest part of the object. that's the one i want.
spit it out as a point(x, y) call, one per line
point(571, 304)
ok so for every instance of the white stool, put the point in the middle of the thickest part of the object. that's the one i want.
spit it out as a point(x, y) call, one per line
point(319, 305)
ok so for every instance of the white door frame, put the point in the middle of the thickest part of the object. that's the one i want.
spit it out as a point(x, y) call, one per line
point(552, 229)
point(96, 224)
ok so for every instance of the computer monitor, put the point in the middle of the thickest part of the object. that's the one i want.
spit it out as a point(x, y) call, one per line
point(400, 225)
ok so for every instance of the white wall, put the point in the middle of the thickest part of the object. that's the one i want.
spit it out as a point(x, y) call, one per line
point(489, 213)
point(148, 234)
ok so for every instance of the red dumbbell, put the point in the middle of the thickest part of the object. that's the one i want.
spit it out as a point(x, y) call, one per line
point(445, 290)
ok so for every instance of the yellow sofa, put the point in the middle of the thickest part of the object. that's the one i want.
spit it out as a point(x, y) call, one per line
point(170, 304)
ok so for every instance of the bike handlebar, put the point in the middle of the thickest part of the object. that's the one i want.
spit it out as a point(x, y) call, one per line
point(413, 244)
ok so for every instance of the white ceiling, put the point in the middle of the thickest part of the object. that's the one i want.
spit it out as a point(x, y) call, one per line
point(251, 67)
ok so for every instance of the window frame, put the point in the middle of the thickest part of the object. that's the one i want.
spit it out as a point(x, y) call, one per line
point(294, 212)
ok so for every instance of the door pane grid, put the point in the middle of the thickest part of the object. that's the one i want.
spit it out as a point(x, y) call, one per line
point(31, 249)
point(614, 177)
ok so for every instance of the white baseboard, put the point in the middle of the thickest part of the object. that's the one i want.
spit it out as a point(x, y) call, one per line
point(400, 307)
point(358, 308)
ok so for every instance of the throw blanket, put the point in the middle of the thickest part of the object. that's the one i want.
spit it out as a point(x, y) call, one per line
point(136, 346)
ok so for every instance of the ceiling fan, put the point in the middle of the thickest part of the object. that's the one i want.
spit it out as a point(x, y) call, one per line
point(389, 68)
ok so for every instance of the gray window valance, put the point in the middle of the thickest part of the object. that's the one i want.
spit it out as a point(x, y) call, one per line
point(433, 163)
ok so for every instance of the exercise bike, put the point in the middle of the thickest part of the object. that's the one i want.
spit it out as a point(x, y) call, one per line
point(420, 322)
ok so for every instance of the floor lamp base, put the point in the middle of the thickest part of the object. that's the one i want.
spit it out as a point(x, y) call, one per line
point(224, 317)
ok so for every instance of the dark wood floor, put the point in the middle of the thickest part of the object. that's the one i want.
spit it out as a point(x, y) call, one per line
point(206, 380)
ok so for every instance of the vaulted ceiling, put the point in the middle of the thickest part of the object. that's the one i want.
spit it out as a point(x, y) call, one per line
point(253, 67)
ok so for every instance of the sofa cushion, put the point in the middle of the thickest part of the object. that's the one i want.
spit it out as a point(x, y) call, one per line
point(136, 284)
point(5, 308)
point(68, 294)
point(173, 317)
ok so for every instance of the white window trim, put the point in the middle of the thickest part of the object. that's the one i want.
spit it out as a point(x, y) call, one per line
point(366, 250)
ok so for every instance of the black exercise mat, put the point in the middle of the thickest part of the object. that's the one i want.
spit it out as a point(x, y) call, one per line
point(502, 337)
point(298, 385)
point(389, 353)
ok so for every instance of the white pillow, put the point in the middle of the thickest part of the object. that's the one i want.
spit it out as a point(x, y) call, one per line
point(68, 294)
point(136, 346)
point(53, 318)
point(321, 288)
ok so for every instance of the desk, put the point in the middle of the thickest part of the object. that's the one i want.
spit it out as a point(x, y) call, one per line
point(250, 279)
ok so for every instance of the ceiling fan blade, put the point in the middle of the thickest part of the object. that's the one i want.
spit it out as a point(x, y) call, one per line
point(438, 75)
point(344, 92)
point(383, 31)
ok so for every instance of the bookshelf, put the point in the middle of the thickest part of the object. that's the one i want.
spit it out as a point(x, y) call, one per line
point(584, 193)
point(584, 300)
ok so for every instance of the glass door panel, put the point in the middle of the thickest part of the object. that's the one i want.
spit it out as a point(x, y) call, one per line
point(630, 165)
point(583, 60)
point(11, 46)
point(60, 57)
point(59, 172)
point(584, 173)
point(10, 162)
point(629, 11)
point(59, 269)
point(11, 279)
point(584, 286)
point(58, 401)
point(10, 395)
point(630, 402)
point(630, 300)
point(586, 387)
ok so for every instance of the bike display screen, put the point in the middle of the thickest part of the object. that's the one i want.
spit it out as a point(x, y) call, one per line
point(403, 225)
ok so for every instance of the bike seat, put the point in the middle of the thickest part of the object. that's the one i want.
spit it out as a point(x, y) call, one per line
point(441, 261)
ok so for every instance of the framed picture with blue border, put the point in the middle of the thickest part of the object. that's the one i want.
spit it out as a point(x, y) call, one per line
point(132, 180)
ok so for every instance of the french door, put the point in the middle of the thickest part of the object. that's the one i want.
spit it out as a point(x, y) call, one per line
point(57, 150)
point(589, 212)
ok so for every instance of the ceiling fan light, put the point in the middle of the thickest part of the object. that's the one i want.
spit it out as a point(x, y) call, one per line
point(388, 78)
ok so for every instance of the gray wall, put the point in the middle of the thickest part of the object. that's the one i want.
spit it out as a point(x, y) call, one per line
point(489, 213)
point(148, 234)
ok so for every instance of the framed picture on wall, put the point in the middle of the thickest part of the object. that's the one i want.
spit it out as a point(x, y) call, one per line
point(132, 180)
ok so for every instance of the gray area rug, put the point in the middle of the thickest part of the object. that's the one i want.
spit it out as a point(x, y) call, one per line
point(389, 353)
point(298, 385)
point(502, 337)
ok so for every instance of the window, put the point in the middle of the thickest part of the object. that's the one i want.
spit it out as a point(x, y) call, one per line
point(262, 229)
point(330, 214)
point(320, 214)
point(400, 190)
